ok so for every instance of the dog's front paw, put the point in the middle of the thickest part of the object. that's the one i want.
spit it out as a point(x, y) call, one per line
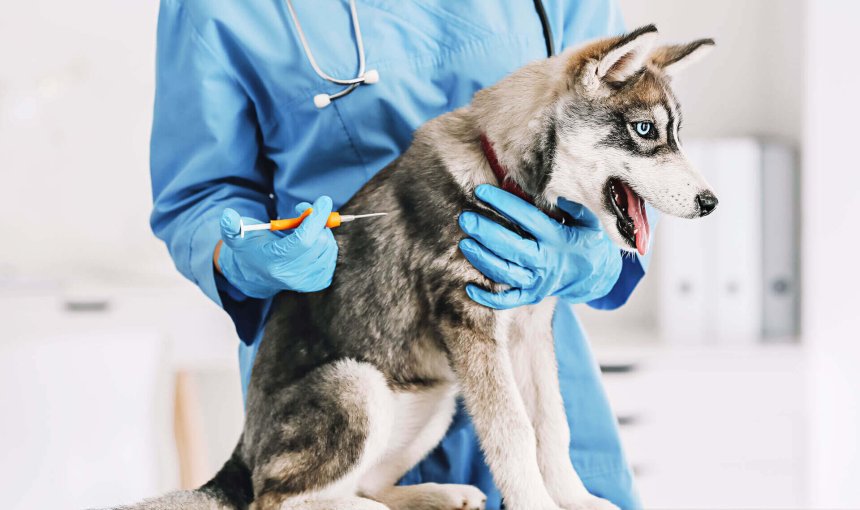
point(590, 502)
point(459, 497)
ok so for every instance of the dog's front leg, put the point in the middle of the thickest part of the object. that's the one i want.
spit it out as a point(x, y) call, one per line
point(536, 371)
point(483, 367)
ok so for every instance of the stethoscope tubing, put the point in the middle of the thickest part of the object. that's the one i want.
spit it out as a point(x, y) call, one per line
point(363, 77)
point(359, 43)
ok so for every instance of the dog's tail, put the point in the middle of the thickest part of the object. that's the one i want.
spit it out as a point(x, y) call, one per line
point(230, 489)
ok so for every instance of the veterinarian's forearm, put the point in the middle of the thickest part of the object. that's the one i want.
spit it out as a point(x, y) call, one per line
point(197, 161)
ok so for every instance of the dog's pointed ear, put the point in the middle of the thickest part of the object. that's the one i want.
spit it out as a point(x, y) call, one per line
point(626, 56)
point(675, 58)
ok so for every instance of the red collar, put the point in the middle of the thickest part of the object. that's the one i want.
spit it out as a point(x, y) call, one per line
point(501, 174)
point(505, 182)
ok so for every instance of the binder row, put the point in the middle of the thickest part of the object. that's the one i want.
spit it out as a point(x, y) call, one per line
point(732, 278)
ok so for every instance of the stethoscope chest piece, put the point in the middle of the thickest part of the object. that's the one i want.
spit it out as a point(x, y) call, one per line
point(364, 78)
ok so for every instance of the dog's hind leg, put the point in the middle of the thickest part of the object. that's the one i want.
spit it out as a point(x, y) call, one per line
point(421, 419)
point(433, 496)
point(536, 370)
point(318, 436)
point(347, 503)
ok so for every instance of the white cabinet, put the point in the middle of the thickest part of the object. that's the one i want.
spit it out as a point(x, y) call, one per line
point(86, 384)
point(712, 428)
point(85, 417)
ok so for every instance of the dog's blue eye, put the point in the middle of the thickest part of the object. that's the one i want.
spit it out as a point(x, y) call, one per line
point(644, 128)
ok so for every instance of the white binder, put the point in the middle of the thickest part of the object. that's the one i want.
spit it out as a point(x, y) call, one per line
point(736, 229)
point(780, 235)
point(681, 251)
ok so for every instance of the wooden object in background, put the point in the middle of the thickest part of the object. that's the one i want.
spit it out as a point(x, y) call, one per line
point(188, 430)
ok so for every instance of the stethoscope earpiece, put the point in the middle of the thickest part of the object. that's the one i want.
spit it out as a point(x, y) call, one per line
point(364, 78)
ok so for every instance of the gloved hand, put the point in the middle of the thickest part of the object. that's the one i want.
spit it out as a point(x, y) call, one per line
point(264, 263)
point(578, 262)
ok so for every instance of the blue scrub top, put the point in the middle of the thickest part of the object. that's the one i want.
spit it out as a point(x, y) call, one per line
point(235, 126)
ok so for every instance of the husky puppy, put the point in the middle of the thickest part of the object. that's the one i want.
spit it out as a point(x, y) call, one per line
point(354, 385)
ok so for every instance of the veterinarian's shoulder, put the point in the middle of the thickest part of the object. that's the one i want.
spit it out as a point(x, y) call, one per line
point(585, 20)
point(211, 19)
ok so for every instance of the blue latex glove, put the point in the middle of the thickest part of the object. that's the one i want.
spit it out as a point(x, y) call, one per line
point(578, 262)
point(264, 263)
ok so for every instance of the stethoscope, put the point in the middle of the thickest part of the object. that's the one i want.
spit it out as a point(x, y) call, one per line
point(372, 76)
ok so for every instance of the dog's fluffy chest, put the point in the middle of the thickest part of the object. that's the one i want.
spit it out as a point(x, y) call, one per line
point(518, 325)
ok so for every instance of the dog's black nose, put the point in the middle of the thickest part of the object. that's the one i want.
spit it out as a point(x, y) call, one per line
point(707, 202)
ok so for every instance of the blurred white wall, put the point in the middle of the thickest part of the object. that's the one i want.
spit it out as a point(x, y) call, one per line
point(76, 93)
point(831, 282)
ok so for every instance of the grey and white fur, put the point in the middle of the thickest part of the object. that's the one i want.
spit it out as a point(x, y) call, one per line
point(354, 385)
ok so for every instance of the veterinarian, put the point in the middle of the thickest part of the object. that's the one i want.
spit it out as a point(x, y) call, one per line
point(236, 127)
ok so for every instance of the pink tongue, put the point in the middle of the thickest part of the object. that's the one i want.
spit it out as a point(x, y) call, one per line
point(636, 211)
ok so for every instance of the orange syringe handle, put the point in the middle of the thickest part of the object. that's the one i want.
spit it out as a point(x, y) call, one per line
point(289, 223)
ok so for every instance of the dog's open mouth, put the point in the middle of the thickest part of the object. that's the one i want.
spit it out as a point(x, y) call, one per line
point(629, 209)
